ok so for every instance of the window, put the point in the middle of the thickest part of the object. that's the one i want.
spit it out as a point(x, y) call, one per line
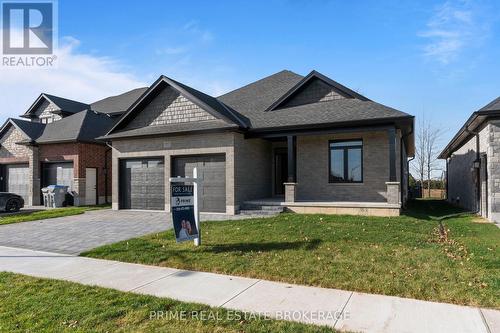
point(346, 161)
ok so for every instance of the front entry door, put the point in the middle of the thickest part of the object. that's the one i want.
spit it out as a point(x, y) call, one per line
point(280, 170)
point(91, 186)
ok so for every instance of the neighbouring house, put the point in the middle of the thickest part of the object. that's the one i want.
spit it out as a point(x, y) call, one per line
point(57, 145)
point(472, 163)
point(307, 143)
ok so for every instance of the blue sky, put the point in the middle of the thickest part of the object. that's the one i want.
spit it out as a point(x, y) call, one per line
point(438, 58)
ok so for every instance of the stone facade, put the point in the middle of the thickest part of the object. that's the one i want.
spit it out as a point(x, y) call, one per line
point(463, 176)
point(169, 107)
point(83, 155)
point(45, 110)
point(315, 91)
point(10, 151)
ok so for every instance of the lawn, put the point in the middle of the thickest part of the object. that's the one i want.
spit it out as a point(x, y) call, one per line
point(47, 214)
point(41, 305)
point(403, 256)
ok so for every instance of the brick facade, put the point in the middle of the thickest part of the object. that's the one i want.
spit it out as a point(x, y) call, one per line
point(83, 155)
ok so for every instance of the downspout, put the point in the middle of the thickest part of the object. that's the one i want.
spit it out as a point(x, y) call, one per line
point(106, 172)
point(478, 171)
point(407, 162)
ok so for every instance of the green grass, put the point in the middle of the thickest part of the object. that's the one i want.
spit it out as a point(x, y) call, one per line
point(400, 256)
point(47, 214)
point(39, 305)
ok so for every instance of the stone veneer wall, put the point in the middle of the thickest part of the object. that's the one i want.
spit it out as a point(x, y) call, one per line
point(462, 177)
point(45, 110)
point(493, 167)
point(11, 153)
point(315, 91)
point(169, 107)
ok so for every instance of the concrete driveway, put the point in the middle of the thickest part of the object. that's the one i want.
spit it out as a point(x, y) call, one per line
point(78, 233)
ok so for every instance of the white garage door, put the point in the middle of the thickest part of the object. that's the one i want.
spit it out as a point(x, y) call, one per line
point(18, 180)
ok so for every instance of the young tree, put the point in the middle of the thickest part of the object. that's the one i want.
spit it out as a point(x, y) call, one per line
point(431, 152)
point(420, 162)
point(426, 152)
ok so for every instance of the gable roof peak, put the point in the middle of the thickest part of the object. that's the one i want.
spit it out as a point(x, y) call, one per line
point(63, 104)
point(204, 101)
point(314, 74)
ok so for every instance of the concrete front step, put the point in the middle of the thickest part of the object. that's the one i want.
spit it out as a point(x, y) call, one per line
point(250, 206)
point(259, 212)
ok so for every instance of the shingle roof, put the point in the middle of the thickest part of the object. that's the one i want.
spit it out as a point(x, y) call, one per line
point(67, 105)
point(492, 106)
point(253, 100)
point(475, 120)
point(118, 103)
point(30, 129)
point(172, 128)
point(259, 95)
point(83, 126)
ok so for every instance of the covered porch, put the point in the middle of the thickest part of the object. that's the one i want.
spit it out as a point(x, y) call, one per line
point(350, 170)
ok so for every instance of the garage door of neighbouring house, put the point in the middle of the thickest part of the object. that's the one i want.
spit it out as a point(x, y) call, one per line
point(212, 169)
point(58, 174)
point(17, 176)
point(142, 184)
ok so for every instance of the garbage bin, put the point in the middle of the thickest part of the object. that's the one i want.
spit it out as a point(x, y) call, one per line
point(58, 193)
point(54, 196)
point(47, 198)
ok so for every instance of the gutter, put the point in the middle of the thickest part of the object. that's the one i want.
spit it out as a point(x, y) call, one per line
point(478, 170)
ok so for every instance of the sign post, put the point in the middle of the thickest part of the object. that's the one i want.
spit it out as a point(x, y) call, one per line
point(185, 209)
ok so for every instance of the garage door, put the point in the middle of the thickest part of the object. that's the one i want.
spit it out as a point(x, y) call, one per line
point(212, 169)
point(58, 174)
point(18, 180)
point(142, 184)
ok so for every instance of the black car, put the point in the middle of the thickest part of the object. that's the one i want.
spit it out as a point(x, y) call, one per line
point(11, 202)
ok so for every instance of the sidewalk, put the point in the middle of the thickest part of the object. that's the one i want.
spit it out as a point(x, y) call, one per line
point(355, 311)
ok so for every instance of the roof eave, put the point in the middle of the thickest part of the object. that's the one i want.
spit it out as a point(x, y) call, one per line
point(320, 126)
point(464, 133)
point(116, 136)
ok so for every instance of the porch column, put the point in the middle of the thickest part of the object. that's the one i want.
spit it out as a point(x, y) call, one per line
point(291, 185)
point(393, 186)
point(391, 133)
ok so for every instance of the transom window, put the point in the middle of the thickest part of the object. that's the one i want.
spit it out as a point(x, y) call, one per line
point(346, 161)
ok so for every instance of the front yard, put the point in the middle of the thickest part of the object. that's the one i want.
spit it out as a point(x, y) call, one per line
point(47, 214)
point(403, 256)
point(40, 305)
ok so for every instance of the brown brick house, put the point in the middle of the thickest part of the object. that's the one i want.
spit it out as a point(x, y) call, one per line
point(304, 142)
point(58, 146)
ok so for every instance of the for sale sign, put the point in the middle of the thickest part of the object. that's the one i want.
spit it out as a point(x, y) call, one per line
point(183, 213)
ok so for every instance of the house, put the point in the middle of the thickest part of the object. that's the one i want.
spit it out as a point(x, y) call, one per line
point(472, 156)
point(57, 145)
point(307, 143)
